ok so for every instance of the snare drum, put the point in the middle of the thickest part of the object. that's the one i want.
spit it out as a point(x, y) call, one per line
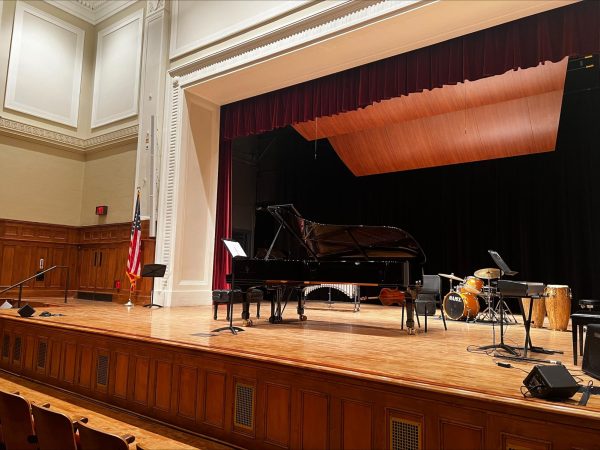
point(473, 282)
point(460, 305)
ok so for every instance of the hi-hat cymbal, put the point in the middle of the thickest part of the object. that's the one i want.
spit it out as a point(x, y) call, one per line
point(488, 274)
point(452, 277)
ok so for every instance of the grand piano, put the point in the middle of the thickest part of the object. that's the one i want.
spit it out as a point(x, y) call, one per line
point(355, 254)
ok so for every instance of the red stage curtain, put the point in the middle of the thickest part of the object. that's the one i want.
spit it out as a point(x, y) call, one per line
point(568, 31)
point(222, 260)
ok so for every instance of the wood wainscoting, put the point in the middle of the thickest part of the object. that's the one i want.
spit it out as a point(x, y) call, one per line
point(95, 255)
point(257, 401)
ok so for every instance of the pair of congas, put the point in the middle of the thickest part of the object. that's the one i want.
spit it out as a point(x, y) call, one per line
point(463, 304)
point(556, 304)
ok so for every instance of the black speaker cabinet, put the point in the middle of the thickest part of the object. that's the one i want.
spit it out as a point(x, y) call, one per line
point(26, 311)
point(552, 382)
point(591, 353)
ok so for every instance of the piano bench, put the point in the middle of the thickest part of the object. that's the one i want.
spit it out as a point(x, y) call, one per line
point(224, 296)
point(578, 321)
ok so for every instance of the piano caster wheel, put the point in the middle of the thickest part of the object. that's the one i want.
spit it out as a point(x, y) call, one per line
point(271, 319)
point(247, 323)
point(411, 331)
point(302, 318)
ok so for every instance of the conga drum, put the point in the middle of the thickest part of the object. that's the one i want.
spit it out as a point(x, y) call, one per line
point(558, 306)
point(537, 313)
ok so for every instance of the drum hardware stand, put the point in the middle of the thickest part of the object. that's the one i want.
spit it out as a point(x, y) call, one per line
point(501, 345)
point(509, 316)
point(489, 313)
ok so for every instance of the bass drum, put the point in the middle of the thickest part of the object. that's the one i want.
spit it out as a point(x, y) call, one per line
point(461, 305)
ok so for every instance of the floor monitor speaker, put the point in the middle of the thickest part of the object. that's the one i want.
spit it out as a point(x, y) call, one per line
point(553, 382)
point(26, 311)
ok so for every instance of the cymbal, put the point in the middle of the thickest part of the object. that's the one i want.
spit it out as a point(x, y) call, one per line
point(452, 277)
point(488, 274)
point(470, 289)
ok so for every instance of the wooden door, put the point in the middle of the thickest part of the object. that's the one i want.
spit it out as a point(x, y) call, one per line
point(88, 260)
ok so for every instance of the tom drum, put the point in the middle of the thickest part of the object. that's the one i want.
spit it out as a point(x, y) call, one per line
point(473, 282)
point(461, 305)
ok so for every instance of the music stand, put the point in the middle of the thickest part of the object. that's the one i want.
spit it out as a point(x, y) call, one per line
point(236, 251)
point(153, 271)
point(501, 345)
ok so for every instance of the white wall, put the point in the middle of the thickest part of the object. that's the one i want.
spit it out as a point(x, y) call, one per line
point(197, 24)
point(49, 90)
point(117, 74)
point(109, 180)
point(39, 184)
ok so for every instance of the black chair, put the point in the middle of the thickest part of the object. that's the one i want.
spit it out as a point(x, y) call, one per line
point(430, 298)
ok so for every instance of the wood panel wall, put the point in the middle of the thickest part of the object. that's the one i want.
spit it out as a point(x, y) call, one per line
point(96, 257)
point(266, 405)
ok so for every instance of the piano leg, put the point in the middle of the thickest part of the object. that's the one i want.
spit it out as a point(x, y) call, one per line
point(276, 315)
point(409, 297)
point(300, 308)
point(246, 322)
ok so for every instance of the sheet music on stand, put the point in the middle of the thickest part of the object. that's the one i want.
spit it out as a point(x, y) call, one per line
point(234, 248)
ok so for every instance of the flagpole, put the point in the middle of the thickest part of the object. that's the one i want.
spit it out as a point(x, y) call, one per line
point(129, 302)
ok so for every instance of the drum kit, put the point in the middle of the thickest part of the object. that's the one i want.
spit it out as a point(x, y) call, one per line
point(463, 301)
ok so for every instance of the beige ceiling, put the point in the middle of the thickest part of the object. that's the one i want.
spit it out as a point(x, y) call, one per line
point(394, 35)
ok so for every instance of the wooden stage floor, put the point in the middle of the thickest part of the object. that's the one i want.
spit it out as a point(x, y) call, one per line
point(368, 345)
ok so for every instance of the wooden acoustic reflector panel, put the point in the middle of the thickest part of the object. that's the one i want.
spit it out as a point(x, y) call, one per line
point(513, 114)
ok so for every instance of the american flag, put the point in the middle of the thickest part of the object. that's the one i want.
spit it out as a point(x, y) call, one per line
point(133, 262)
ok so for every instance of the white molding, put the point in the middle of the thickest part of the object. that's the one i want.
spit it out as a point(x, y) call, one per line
point(296, 36)
point(15, 56)
point(91, 14)
point(154, 7)
point(64, 141)
point(251, 22)
point(133, 110)
point(167, 208)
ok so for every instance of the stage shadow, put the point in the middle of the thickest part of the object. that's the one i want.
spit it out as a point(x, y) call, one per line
point(336, 327)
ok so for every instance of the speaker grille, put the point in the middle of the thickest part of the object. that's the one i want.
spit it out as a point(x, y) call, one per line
point(5, 345)
point(41, 356)
point(244, 406)
point(17, 349)
point(102, 370)
point(405, 434)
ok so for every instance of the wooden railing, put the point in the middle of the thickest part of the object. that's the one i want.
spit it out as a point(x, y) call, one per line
point(20, 283)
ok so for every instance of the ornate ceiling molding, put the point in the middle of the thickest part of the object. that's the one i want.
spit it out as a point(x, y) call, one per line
point(316, 28)
point(92, 11)
point(64, 141)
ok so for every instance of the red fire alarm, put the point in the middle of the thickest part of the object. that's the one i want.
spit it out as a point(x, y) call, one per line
point(117, 284)
point(101, 210)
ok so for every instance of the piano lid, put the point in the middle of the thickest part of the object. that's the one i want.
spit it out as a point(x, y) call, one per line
point(339, 242)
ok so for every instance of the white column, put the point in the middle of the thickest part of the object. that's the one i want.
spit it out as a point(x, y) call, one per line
point(188, 196)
